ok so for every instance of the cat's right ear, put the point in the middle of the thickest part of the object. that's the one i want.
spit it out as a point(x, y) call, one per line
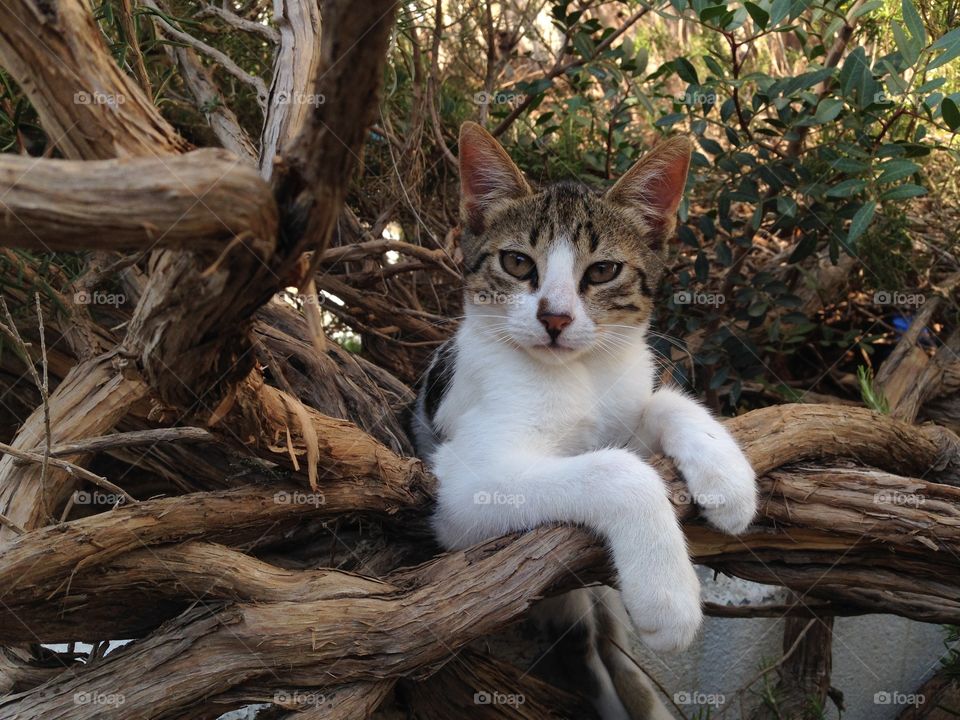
point(488, 177)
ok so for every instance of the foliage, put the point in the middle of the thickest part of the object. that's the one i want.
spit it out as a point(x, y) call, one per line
point(819, 126)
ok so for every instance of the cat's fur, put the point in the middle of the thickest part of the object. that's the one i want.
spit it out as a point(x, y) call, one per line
point(543, 406)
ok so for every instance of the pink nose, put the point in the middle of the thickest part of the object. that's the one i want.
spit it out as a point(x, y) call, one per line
point(554, 323)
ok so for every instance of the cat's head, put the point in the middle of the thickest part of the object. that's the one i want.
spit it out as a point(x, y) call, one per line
point(566, 270)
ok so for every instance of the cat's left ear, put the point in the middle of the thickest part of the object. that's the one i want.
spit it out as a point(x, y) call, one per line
point(651, 190)
point(488, 177)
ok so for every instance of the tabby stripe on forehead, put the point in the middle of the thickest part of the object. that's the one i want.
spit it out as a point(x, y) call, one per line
point(479, 262)
point(594, 236)
point(644, 288)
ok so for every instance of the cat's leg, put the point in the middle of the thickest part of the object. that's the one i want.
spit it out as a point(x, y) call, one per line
point(570, 623)
point(717, 473)
point(634, 689)
point(487, 491)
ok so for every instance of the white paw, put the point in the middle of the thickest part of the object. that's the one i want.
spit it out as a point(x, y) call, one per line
point(723, 484)
point(666, 615)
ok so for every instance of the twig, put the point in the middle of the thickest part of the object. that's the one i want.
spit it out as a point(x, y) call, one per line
point(70, 468)
point(560, 68)
point(44, 395)
point(650, 677)
point(767, 670)
point(250, 26)
point(7, 522)
point(166, 28)
point(132, 439)
point(11, 331)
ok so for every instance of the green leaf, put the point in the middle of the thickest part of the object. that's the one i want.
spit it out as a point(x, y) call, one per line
point(760, 16)
point(778, 11)
point(685, 70)
point(713, 12)
point(909, 47)
point(804, 248)
point(847, 188)
point(902, 192)
point(867, 7)
point(827, 110)
point(895, 170)
point(861, 221)
point(914, 22)
point(950, 113)
point(671, 119)
point(584, 45)
point(857, 78)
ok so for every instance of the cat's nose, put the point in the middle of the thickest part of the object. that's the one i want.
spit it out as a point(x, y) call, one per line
point(554, 323)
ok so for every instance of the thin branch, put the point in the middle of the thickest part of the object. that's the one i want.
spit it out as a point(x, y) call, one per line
point(221, 58)
point(71, 469)
point(265, 31)
point(132, 439)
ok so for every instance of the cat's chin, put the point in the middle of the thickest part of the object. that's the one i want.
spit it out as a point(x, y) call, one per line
point(554, 354)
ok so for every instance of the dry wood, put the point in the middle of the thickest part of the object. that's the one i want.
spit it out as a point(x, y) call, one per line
point(90, 109)
point(208, 198)
point(298, 55)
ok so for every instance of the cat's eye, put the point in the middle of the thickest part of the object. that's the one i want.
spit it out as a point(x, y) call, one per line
point(517, 264)
point(602, 272)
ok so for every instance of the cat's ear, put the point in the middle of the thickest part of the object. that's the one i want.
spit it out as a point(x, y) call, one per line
point(651, 190)
point(488, 177)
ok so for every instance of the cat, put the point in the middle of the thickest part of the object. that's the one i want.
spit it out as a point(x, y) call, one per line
point(543, 406)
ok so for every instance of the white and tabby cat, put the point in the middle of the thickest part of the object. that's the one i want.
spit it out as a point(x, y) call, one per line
point(543, 406)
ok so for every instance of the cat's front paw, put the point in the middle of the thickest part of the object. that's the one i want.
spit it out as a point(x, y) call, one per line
point(666, 615)
point(724, 485)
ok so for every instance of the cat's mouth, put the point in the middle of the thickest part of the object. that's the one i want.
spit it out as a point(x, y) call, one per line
point(554, 347)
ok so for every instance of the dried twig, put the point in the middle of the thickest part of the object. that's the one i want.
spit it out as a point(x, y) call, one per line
point(71, 469)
